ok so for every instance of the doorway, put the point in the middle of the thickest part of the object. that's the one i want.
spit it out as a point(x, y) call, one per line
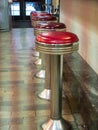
point(20, 10)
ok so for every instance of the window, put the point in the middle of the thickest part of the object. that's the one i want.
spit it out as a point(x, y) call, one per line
point(15, 9)
point(29, 7)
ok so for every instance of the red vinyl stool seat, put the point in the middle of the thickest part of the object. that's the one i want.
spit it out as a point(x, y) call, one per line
point(49, 26)
point(56, 44)
point(38, 13)
point(46, 18)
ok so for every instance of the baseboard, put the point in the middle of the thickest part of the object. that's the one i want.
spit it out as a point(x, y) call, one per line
point(82, 82)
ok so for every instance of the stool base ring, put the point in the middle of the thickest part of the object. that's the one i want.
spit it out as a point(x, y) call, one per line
point(41, 74)
point(60, 124)
point(45, 94)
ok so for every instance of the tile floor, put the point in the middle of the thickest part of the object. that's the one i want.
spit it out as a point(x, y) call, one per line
point(20, 106)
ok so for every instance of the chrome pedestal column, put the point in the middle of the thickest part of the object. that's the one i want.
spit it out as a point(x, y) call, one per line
point(56, 122)
point(45, 94)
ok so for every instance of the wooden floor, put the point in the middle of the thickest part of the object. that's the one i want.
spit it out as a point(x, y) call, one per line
point(20, 106)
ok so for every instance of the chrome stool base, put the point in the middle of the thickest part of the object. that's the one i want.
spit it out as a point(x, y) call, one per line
point(60, 124)
point(45, 94)
point(36, 54)
point(41, 74)
point(38, 62)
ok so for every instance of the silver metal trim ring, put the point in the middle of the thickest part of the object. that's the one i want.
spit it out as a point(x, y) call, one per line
point(41, 30)
point(36, 22)
point(56, 49)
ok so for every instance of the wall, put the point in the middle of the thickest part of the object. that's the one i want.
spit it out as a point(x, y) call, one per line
point(4, 15)
point(81, 17)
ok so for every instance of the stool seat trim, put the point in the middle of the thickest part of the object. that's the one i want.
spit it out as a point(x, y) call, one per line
point(50, 25)
point(44, 18)
point(34, 23)
point(42, 30)
point(57, 49)
point(33, 16)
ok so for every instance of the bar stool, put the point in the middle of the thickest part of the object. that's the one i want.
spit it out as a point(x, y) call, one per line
point(56, 44)
point(35, 21)
point(34, 14)
point(38, 13)
point(40, 28)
